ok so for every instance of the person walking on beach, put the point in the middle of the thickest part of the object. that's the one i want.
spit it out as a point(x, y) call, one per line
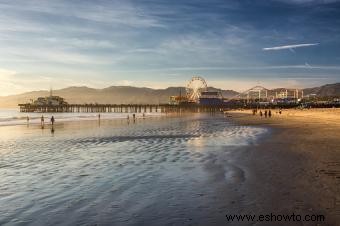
point(265, 113)
point(99, 117)
point(134, 117)
point(42, 121)
point(270, 113)
point(253, 111)
point(52, 120)
point(260, 113)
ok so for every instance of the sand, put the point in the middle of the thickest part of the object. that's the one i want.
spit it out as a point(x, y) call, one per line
point(157, 171)
point(188, 170)
point(297, 169)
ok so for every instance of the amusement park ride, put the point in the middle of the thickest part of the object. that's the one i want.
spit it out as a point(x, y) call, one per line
point(194, 89)
point(197, 93)
point(197, 98)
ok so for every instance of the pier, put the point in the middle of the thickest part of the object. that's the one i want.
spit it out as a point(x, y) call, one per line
point(197, 99)
point(118, 108)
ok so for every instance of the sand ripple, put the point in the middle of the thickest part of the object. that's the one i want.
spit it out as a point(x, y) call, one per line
point(124, 175)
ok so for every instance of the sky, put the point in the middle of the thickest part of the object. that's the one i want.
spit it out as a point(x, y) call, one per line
point(232, 44)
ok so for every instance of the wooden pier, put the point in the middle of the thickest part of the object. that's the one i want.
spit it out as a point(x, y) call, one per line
point(118, 108)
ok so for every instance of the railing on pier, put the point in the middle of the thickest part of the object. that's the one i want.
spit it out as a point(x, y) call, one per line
point(118, 108)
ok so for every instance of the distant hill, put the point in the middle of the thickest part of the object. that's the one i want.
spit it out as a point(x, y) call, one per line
point(111, 95)
point(328, 90)
point(129, 94)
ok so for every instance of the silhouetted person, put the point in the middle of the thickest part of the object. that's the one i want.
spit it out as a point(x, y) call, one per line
point(253, 111)
point(270, 113)
point(52, 120)
point(98, 116)
point(260, 113)
point(280, 111)
point(134, 117)
point(42, 121)
point(265, 113)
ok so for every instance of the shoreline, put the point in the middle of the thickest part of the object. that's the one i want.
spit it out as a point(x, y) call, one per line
point(76, 126)
point(71, 118)
point(297, 169)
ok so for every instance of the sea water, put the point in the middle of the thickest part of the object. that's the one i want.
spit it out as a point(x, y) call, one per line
point(12, 116)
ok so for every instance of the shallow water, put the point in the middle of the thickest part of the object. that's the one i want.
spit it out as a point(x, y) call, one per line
point(153, 172)
point(12, 116)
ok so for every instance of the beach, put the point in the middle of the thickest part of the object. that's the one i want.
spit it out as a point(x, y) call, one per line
point(155, 171)
point(139, 113)
point(298, 168)
point(192, 169)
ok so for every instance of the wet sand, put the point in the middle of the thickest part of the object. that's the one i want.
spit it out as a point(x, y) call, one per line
point(298, 168)
point(157, 171)
point(189, 170)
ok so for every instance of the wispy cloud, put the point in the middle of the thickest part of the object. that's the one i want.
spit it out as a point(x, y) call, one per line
point(245, 68)
point(114, 13)
point(290, 46)
point(161, 41)
point(308, 1)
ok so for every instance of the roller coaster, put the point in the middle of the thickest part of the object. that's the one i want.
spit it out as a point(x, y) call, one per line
point(198, 86)
point(262, 94)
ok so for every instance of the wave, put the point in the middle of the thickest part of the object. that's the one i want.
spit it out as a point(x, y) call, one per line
point(19, 118)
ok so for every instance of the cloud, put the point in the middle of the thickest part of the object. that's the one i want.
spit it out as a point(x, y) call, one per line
point(8, 82)
point(116, 42)
point(244, 68)
point(4, 73)
point(308, 1)
point(114, 12)
point(291, 47)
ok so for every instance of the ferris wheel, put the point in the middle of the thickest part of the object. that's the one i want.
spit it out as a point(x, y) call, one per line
point(194, 88)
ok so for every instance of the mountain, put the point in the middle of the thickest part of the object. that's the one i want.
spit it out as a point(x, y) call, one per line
point(329, 90)
point(109, 95)
point(129, 94)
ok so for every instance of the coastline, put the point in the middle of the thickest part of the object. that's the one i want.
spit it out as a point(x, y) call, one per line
point(297, 169)
point(74, 126)
point(12, 117)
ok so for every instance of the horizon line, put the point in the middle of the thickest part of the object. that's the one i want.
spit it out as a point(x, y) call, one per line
point(145, 87)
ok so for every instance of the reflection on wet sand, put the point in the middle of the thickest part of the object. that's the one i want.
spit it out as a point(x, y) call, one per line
point(160, 171)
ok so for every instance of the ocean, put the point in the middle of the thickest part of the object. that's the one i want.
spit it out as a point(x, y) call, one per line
point(12, 116)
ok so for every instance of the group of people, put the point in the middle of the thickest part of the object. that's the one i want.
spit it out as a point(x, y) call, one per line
point(267, 113)
point(52, 120)
point(133, 117)
point(42, 120)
